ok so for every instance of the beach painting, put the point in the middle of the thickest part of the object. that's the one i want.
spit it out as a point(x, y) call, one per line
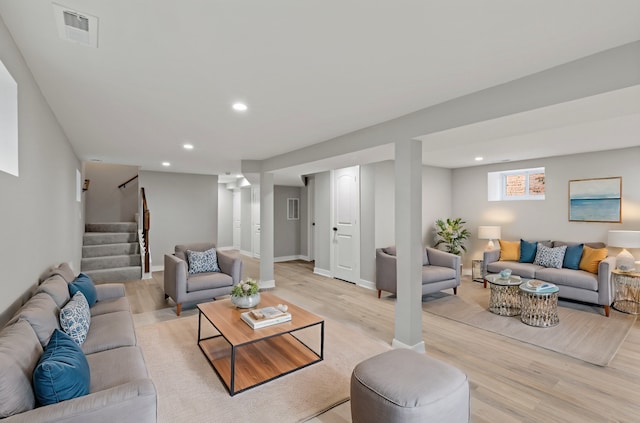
point(595, 200)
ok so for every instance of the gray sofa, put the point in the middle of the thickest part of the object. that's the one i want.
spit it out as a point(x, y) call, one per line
point(440, 270)
point(120, 387)
point(184, 287)
point(576, 285)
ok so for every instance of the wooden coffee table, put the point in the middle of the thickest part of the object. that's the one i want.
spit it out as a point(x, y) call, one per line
point(243, 357)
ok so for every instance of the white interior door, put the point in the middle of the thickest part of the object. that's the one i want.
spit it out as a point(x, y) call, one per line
point(237, 221)
point(255, 220)
point(346, 234)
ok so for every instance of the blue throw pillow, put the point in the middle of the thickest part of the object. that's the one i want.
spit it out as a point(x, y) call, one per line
point(84, 284)
point(572, 256)
point(62, 373)
point(527, 251)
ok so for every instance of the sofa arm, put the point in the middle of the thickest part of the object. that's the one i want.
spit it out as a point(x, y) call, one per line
point(443, 259)
point(175, 277)
point(231, 265)
point(132, 402)
point(489, 256)
point(386, 271)
point(107, 291)
point(605, 288)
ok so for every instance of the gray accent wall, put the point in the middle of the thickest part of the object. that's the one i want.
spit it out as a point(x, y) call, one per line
point(286, 232)
point(225, 217)
point(322, 203)
point(547, 219)
point(183, 208)
point(104, 201)
point(41, 223)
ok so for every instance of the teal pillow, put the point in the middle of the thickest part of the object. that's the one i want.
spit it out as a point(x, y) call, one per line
point(572, 256)
point(84, 284)
point(527, 251)
point(62, 373)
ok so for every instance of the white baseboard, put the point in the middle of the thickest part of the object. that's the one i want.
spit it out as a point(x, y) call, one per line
point(366, 284)
point(290, 258)
point(157, 268)
point(419, 347)
point(322, 272)
point(147, 275)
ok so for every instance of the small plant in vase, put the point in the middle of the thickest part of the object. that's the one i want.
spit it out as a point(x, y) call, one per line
point(452, 234)
point(245, 294)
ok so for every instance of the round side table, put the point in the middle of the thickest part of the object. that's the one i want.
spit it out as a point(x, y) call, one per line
point(627, 291)
point(505, 295)
point(539, 308)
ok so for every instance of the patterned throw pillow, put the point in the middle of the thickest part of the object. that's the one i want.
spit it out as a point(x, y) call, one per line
point(75, 318)
point(550, 257)
point(201, 262)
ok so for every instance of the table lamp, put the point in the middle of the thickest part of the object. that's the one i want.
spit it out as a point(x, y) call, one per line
point(624, 240)
point(490, 233)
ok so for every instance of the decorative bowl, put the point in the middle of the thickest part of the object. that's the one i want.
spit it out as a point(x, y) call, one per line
point(246, 301)
point(504, 274)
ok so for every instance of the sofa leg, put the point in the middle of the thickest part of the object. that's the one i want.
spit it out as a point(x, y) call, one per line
point(379, 292)
point(455, 290)
point(606, 310)
point(178, 309)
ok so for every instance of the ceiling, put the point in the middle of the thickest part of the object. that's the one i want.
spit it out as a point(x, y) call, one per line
point(166, 73)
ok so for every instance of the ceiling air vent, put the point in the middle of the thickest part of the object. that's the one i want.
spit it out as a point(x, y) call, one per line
point(76, 27)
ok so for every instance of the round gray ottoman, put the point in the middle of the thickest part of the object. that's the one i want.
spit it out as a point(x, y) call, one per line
point(406, 386)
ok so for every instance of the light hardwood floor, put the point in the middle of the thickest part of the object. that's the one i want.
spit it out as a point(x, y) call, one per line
point(510, 381)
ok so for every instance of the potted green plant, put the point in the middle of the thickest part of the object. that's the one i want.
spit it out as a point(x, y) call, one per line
point(245, 294)
point(452, 234)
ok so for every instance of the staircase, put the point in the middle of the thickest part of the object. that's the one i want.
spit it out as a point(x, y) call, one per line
point(110, 252)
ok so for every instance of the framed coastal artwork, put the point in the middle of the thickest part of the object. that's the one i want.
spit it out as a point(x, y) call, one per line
point(595, 200)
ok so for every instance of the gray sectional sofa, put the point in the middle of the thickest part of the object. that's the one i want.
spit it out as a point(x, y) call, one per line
point(579, 285)
point(120, 388)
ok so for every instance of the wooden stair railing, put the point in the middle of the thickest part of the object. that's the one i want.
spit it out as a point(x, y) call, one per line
point(124, 184)
point(146, 225)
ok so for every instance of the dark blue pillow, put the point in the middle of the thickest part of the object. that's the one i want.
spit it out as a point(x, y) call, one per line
point(62, 373)
point(572, 256)
point(84, 284)
point(527, 251)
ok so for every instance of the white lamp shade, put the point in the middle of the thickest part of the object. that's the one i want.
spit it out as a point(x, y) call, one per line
point(624, 239)
point(488, 232)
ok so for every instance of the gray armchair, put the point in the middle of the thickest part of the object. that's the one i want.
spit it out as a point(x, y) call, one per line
point(440, 270)
point(182, 286)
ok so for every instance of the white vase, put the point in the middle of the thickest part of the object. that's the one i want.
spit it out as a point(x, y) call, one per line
point(247, 301)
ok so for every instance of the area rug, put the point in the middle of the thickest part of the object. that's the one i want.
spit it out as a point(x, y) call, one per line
point(190, 390)
point(583, 333)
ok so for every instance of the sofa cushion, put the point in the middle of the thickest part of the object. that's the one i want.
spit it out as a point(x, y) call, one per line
point(57, 289)
point(42, 314)
point(525, 270)
point(20, 350)
point(203, 261)
point(128, 360)
point(390, 250)
point(110, 306)
point(62, 372)
point(509, 250)
point(202, 281)
point(550, 257)
point(64, 270)
point(437, 274)
point(84, 284)
point(527, 251)
point(568, 277)
point(180, 250)
point(109, 331)
point(591, 258)
point(75, 318)
point(572, 256)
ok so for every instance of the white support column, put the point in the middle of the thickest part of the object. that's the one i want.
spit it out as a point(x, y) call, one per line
point(408, 224)
point(267, 279)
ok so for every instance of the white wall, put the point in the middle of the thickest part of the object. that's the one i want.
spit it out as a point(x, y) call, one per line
point(246, 232)
point(286, 238)
point(41, 223)
point(322, 201)
point(183, 209)
point(225, 217)
point(104, 201)
point(547, 219)
point(368, 214)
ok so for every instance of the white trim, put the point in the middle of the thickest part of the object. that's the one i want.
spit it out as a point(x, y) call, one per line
point(225, 248)
point(290, 258)
point(322, 272)
point(366, 284)
point(157, 268)
point(246, 253)
point(267, 284)
point(419, 347)
point(147, 275)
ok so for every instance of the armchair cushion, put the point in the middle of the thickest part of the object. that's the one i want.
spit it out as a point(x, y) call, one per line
point(210, 280)
point(203, 261)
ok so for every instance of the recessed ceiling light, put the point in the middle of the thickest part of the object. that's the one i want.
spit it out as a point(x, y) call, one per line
point(479, 159)
point(188, 146)
point(239, 107)
point(165, 164)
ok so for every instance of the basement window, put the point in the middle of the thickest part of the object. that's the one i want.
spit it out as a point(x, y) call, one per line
point(8, 122)
point(519, 184)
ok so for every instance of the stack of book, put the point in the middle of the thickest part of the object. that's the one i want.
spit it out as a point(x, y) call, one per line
point(539, 285)
point(263, 317)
